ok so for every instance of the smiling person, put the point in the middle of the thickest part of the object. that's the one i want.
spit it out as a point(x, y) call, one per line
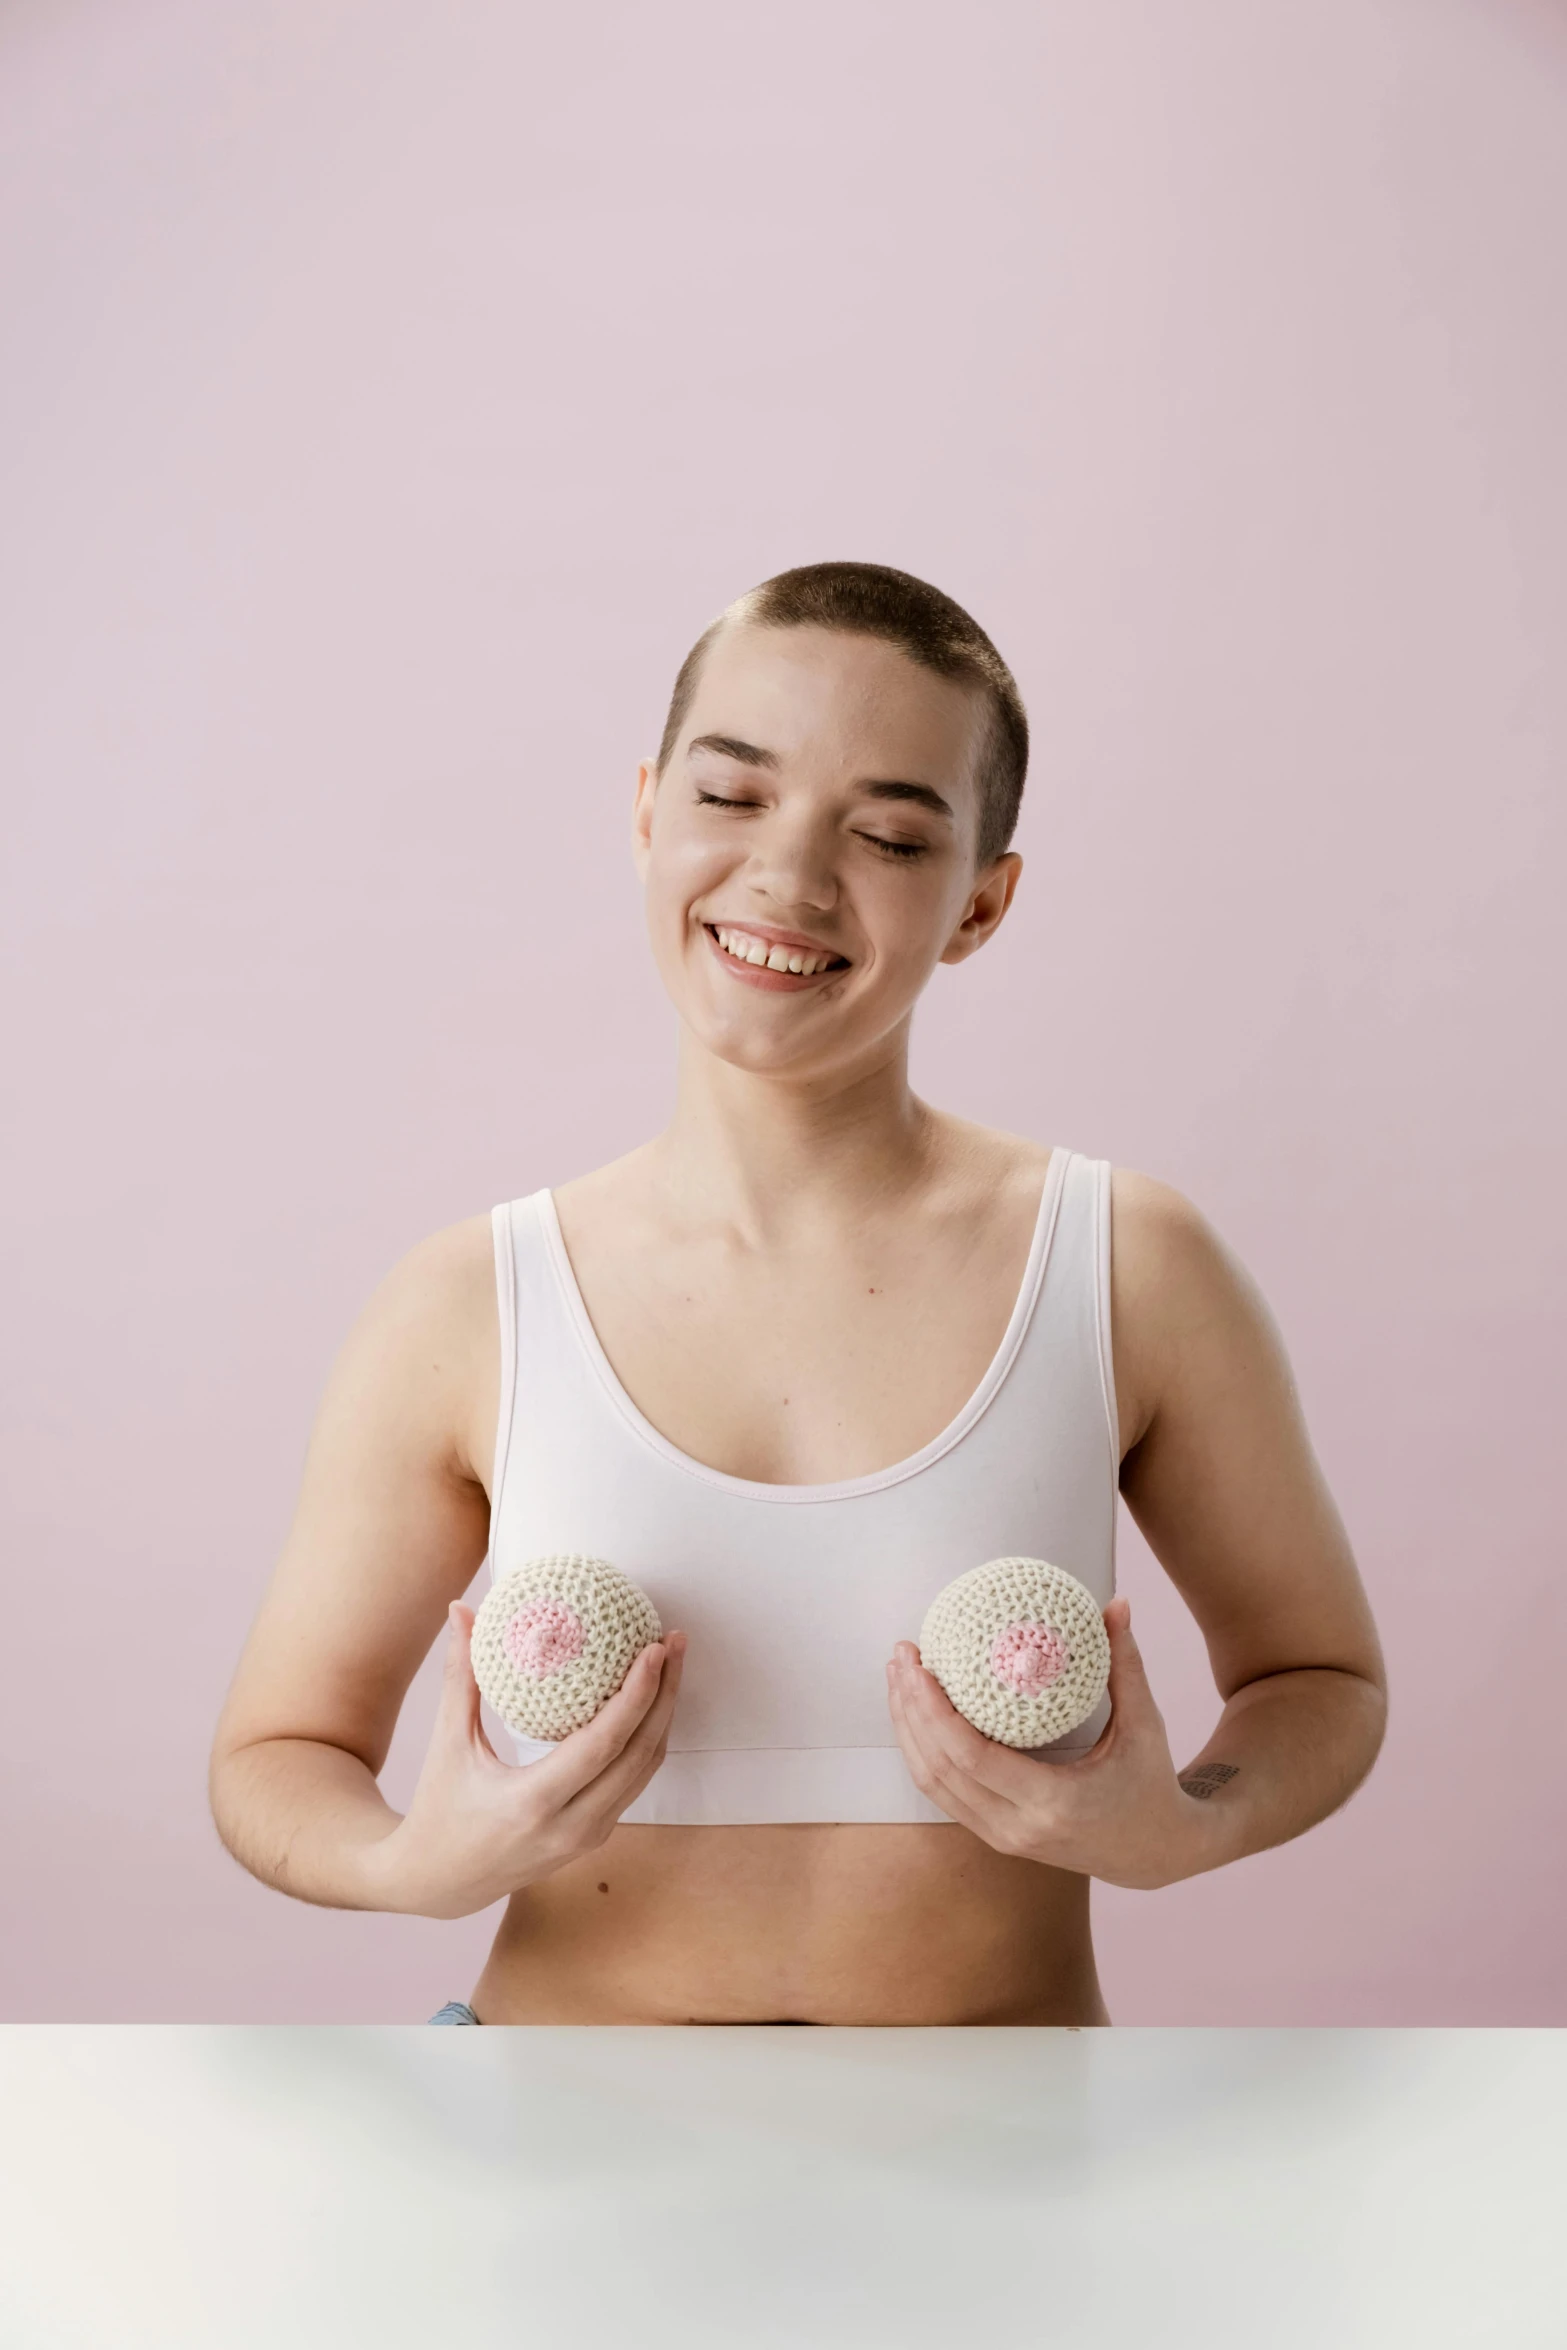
point(793, 1365)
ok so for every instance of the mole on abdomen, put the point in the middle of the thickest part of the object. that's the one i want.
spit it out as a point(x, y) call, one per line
point(603, 1888)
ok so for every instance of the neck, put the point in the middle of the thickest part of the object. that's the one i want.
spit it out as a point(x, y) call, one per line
point(773, 1156)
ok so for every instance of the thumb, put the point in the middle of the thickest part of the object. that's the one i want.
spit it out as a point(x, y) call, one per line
point(458, 1710)
point(1131, 1698)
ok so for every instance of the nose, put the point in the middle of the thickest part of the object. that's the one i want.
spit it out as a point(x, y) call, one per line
point(792, 862)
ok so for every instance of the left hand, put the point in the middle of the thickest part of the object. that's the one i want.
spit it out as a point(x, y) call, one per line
point(1117, 1812)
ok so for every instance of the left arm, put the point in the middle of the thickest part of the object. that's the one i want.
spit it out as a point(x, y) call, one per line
point(1219, 1474)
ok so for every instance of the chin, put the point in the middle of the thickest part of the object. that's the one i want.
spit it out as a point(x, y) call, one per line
point(741, 1048)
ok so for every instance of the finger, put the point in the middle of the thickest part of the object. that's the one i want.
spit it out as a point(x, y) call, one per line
point(648, 1735)
point(457, 1710)
point(945, 1797)
point(459, 1717)
point(1132, 1701)
point(997, 1768)
point(954, 1791)
point(585, 1754)
point(644, 1749)
point(623, 1778)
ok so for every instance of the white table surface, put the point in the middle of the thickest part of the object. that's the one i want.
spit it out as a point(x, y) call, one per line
point(771, 2188)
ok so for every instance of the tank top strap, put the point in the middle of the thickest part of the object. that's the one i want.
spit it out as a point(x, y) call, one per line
point(1070, 1329)
point(534, 1333)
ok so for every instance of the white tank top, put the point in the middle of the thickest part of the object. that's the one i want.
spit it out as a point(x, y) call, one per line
point(793, 1595)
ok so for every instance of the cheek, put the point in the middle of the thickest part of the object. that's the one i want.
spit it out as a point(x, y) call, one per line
point(910, 918)
point(680, 870)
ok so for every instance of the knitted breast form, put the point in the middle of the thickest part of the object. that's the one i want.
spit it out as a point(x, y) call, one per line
point(1020, 1648)
point(554, 1639)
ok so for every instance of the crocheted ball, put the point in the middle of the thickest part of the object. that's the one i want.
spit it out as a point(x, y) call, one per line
point(553, 1640)
point(1020, 1648)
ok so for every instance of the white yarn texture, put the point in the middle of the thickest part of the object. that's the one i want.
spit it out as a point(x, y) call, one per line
point(543, 1691)
point(1000, 1602)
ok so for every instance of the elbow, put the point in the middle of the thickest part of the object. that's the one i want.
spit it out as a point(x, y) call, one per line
point(1370, 1671)
point(237, 1802)
point(222, 1800)
point(1367, 1704)
point(1375, 1706)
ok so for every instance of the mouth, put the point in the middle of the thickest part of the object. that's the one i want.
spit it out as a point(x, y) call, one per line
point(775, 960)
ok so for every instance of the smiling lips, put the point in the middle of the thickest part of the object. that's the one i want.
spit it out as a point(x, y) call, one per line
point(774, 963)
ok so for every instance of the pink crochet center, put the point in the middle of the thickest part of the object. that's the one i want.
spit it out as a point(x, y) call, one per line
point(1028, 1657)
point(543, 1636)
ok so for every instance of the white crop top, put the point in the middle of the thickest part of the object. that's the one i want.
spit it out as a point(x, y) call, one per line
point(793, 1595)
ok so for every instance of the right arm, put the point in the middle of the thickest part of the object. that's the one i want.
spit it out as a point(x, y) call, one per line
point(391, 1527)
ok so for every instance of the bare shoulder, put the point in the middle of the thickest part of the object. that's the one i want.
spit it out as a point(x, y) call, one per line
point(1157, 1229)
point(423, 1357)
point(1183, 1305)
point(446, 1280)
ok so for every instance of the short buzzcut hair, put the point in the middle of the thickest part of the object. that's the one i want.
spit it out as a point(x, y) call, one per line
point(870, 599)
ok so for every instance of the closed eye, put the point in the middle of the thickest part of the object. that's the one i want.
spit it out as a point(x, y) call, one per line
point(889, 848)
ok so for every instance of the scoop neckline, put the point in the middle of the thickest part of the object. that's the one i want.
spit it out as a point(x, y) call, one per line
point(845, 1488)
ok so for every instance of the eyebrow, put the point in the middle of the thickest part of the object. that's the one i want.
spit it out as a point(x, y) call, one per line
point(728, 746)
point(921, 793)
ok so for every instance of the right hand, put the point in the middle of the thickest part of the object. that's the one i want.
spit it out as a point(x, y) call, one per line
point(479, 1829)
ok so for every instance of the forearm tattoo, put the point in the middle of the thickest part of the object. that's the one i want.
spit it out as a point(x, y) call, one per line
point(1208, 1778)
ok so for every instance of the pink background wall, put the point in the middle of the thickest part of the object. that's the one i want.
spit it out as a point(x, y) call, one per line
point(389, 394)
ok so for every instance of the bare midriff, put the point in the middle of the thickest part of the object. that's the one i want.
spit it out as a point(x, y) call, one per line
point(807, 1923)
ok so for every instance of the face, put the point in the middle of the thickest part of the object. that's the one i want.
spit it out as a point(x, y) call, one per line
point(808, 855)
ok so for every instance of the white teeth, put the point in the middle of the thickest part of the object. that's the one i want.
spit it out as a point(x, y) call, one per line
point(754, 950)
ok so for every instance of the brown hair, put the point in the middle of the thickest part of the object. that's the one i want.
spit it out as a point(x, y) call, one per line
point(869, 599)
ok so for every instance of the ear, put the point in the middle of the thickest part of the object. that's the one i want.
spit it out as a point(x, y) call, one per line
point(993, 893)
point(642, 817)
